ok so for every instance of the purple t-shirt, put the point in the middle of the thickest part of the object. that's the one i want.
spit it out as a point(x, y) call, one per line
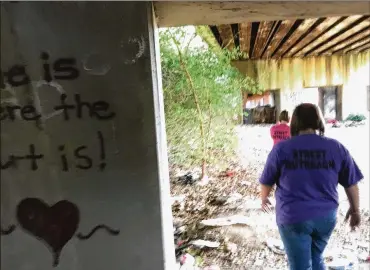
point(307, 169)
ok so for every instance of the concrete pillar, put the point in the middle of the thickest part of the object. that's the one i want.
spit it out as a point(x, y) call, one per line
point(99, 162)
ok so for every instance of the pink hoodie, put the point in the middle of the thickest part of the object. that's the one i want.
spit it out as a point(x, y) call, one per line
point(280, 132)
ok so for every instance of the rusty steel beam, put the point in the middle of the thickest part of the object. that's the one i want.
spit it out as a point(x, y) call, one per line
point(245, 32)
point(235, 31)
point(315, 33)
point(291, 31)
point(278, 37)
point(262, 37)
point(358, 47)
point(303, 30)
point(216, 34)
point(347, 42)
point(254, 33)
point(273, 31)
point(336, 34)
point(227, 36)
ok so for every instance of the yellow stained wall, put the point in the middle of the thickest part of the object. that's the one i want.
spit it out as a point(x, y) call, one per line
point(352, 71)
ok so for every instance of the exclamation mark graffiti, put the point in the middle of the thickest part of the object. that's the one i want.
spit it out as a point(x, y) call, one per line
point(102, 151)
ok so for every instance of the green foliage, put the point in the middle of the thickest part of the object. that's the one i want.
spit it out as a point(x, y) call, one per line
point(356, 117)
point(202, 93)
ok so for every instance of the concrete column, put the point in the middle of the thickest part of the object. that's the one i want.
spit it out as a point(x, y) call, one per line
point(82, 138)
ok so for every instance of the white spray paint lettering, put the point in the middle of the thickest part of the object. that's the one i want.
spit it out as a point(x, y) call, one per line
point(36, 85)
point(99, 70)
point(140, 42)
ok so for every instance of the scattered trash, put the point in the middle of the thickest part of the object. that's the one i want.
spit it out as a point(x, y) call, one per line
point(180, 249)
point(258, 263)
point(234, 198)
point(212, 267)
point(336, 125)
point(349, 247)
point(187, 259)
point(223, 199)
point(219, 200)
point(365, 245)
point(178, 222)
point(276, 246)
point(225, 221)
point(342, 261)
point(188, 179)
point(204, 181)
point(228, 173)
point(204, 243)
point(363, 256)
point(339, 264)
point(177, 199)
point(245, 183)
point(231, 247)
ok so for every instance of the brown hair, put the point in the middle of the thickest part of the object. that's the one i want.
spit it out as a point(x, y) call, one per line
point(284, 116)
point(307, 116)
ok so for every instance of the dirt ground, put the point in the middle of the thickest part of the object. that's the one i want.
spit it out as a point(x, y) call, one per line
point(244, 246)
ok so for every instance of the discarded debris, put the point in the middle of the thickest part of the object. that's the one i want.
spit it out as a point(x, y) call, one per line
point(187, 259)
point(343, 259)
point(204, 243)
point(225, 221)
point(188, 179)
point(212, 267)
point(258, 263)
point(339, 263)
point(365, 245)
point(363, 256)
point(204, 181)
point(276, 246)
point(223, 199)
point(231, 247)
point(228, 173)
point(219, 200)
point(177, 199)
point(234, 198)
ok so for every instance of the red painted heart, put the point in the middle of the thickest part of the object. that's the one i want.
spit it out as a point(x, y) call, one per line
point(53, 225)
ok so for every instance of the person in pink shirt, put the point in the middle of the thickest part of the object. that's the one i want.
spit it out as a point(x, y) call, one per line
point(281, 131)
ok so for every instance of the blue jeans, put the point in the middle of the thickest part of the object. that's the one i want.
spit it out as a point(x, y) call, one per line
point(305, 242)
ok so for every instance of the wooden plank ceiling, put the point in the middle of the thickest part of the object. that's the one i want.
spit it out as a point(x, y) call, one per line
point(296, 38)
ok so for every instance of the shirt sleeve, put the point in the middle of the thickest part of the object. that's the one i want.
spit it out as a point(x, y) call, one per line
point(349, 174)
point(271, 172)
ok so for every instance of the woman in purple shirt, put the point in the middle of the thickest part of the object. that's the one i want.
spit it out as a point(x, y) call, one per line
point(306, 170)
